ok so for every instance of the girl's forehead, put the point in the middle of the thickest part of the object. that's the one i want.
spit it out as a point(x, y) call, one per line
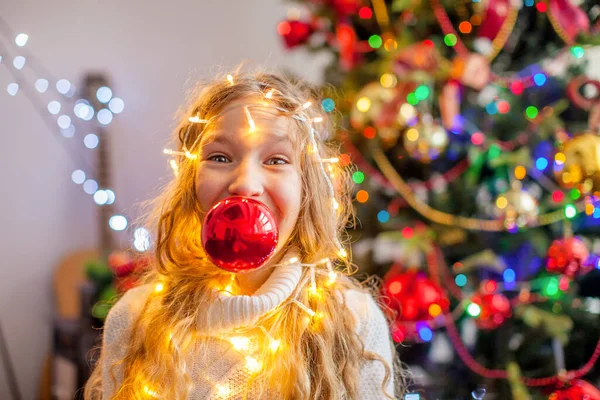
point(251, 117)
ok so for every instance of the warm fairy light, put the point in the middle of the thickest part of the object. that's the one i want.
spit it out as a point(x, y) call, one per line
point(501, 202)
point(190, 155)
point(412, 134)
point(520, 172)
point(270, 93)
point(342, 253)
point(253, 365)
point(332, 277)
point(317, 119)
point(589, 209)
point(230, 79)
point(197, 120)
point(560, 158)
point(240, 343)
point(388, 80)
point(435, 310)
point(314, 292)
point(363, 104)
point(407, 111)
point(223, 390)
point(306, 105)
point(180, 153)
point(149, 391)
point(293, 260)
point(159, 287)
point(250, 120)
point(174, 167)
point(274, 345)
point(335, 204)
point(330, 160)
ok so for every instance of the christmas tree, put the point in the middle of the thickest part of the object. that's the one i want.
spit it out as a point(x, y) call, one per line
point(473, 132)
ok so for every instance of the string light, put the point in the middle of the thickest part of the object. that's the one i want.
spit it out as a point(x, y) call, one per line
point(273, 343)
point(317, 119)
point(250, 120)
point(253, 365)
point(159, 287)
point(149, 391)
point(240, 343)
point(223, 390)
point(269, 94)
point(174, 167)
point(230, 79)
point(197, 120)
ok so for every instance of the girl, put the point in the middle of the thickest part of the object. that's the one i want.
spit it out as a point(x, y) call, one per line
point(299, 327)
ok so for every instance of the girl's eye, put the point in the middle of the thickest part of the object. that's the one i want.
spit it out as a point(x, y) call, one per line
point(277, 161)
point(219, 158)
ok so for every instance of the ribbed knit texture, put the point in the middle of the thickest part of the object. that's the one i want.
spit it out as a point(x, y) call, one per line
point(220, 365)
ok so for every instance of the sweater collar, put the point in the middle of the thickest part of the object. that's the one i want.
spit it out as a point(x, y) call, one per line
point(228, 313)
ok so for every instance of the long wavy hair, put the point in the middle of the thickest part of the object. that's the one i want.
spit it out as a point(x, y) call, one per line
point(326, 356)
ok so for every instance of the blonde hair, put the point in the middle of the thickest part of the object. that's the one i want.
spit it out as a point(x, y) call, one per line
point(325, 360)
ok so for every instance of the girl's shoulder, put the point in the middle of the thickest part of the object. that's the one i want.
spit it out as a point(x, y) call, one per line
point(126, 309)
point(365, 311)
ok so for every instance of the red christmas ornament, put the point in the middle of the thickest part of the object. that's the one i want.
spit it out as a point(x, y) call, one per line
point(239, 234)
point(414, 296)
point(345, 7)
point(578, 390)
point(294, 33)
point(494, 309)
point(567, 256)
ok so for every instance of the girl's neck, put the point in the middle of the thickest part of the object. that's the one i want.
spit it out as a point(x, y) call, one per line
point(250, 282)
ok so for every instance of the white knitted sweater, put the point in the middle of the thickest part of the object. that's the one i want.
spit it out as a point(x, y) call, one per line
point(222, 366)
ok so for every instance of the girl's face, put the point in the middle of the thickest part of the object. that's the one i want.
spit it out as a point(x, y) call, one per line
point(263, 165)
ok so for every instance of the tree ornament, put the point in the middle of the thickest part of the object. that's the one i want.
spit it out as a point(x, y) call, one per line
point(368, 105)
point(517, 207)
point(494, 309)
point(576, 390)
point(567, 256)
point(472, 70)
point(294, 32)
point(426, 140)
point(580, 167)
point(414, 297)
point(568, 20)
point(344, 8)
point(239, 234)
point(576, 93)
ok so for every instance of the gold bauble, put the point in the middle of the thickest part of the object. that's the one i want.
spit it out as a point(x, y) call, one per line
point(368, 104)
point(581, 168)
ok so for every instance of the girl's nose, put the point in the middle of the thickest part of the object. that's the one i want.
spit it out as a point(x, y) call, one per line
point(246, 181)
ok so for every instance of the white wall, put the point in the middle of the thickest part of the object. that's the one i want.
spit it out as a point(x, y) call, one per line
point(150, 49)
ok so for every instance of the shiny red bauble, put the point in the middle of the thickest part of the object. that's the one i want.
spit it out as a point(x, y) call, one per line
point(239, 234)
point(413, 295)
point(494, 310)
point(578, 390)
point(567, 256)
